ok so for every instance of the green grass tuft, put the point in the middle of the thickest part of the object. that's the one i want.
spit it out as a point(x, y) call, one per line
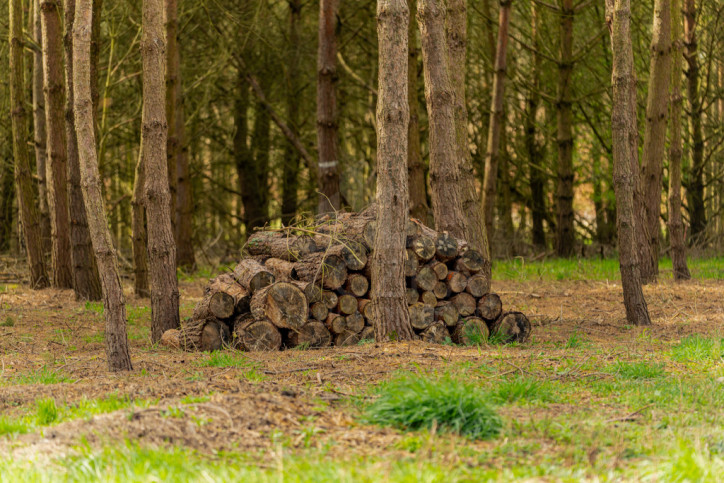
point(46, 411)
point(449, 405)
point(224, 359)
point(522, 389)
point(44, 375)
point(12, 426)
point(698, 348)
point(8, 322)
point(637, 370)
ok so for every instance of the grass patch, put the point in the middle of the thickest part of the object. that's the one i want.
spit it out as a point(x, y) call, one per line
point(8, 322)
point(522, 389)
point(446, 404)
point(12, 426)
point(637, 370)
point(698, 348)
point(46, 411)
point(44, 375)
point(224, 359)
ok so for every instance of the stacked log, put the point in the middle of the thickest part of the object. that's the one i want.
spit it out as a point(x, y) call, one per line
point(310, 288)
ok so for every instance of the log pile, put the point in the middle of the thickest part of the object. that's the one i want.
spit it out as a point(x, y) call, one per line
point(309, 287)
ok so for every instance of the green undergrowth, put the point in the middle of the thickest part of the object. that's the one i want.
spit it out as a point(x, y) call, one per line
point(43, 375)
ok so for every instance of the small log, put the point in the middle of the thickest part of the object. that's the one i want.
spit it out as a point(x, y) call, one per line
point(254, 335)
point(312, 291)
point(439, 268)
point(282, 303)
point(329, 299)
point(353, 253)
point(370, 233)
point(347, 338)
point(411, 263)
point(368, 333)
point(470, 261)
point(279, 245)
point(425, 279)
point(357, 284)
point(490, 307)
point(446, 247)
point(223, 298)
point(447, 313)
point(412, 230)
point(355, 322)
point(329, 271)
point(347, 304)
point(252, 275)
point(421, 316)
point(465, 303)
point(368, 310)
point(512, 327)
point(171, 339)
point(424, 247)
point(319, 311)
point(437, 333)
point(477, 285)
point(428, 298)
point(283, 270)
point(441, 290)
point(412, 295)
point(335, 323)
point(472, 331)
point(313, 334)
point(203, 334)
point(214, 335)
point(456, 282)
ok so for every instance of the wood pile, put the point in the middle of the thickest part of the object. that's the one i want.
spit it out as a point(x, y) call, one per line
point(309, 287)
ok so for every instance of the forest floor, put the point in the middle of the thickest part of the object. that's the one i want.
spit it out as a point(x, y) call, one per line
point(588, 397)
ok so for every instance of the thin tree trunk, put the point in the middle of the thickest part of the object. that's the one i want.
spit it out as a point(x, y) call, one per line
point(535, 158)
point(113, 299)
point(496, 119)
point(565, 234)
point(39, 132)
point(455, 203)
point(256, 193)
point(392, 319)
point(95, 51)
point(290, 175)
point(173, 94)
point(676, 226)
point(161, 246)
point(652, 159)
point(138, 230)
point(415, 167)
point(625, 163)
point(329, 198)
point(57, 168)
point(86, 280)
point(29, 216)
point(7, 199)
point(695, 186)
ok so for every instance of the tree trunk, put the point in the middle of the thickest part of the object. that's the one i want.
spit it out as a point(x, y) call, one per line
point(113, 299)
point(695, 187)
point(290, 175)
point(392, 320)
point(7, 198)
point(625, 163)
point(86, 280)
point(29, 217)
point(565, 234)
point(652, 159)
point(329, 198)
point(139, 235)
point(161, 247)
point(496, 119)
point(676, 226)
point(417, 184)
point(57, 168)
point(535, 155)
point(455, 203)
point(256, 190)
point(39, 133)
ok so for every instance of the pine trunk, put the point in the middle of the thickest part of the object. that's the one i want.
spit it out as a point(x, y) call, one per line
point(139, 235)
point(535, 155)
point(39, 132)
point(290, 171)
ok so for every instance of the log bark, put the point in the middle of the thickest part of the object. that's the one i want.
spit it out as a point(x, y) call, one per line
point(472, 331)
point(346, 338)
point(411, 295)
point(252, 275)
point(329, 271)
point(277, 245)
point(512, 327)
point(171, 339)
point(490, 307)
point(357, 284)
point(39, 132)
point(282, 303)
point(465, 303)
point(436, 333)
point(353, 253)
point(411, 263)
point(421, 315)
point(281, 269)
point(447, 313)
point(313, 334)
point(223, 298)
point(256, 335)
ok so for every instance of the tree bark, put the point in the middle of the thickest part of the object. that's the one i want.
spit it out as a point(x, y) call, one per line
point(676, 226)
point(173, 97)
point(57, 167)
point(161, 246)
point(86, 280)
point(417, 184)
point(695, 187)
point(29, 217)
point(652, 159)
point(535, 155)
point(565, 234)
point(139, 235)
point(625, 163)
point(329, 198)
point(39, 132)
point(392, 320)
point(113, 299)
point(290, 174)
point(496, 119)
point(455, 203)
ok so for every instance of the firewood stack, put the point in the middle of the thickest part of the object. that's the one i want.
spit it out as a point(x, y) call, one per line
point(309, 286)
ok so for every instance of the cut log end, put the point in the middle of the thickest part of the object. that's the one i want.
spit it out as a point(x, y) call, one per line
point(465, 303)
point(437, 333)
point(257, 335)
point(313, 334)
point(490, 307)
point(472, 331)
point(421, 316)
point(512, 327)
point(282, 303)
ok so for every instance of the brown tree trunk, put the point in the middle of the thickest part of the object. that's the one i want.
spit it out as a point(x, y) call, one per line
point(86, 280)
point(496, 119)
point(415, 166)
point(625, 162)
point(329, 198)
point(535, 155)
point(290, 176)
point(456, 205)
point(695, 187)
point(57, 168)
point(113, 299)
point(138, 230)
point(29, 217)
point(392, 320)
point(39, 132)
point(161, 246)
point(565, 234)
point(7, 198)
point(676, 226)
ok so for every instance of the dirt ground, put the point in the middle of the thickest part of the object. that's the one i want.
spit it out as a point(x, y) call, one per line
point(279, 393)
